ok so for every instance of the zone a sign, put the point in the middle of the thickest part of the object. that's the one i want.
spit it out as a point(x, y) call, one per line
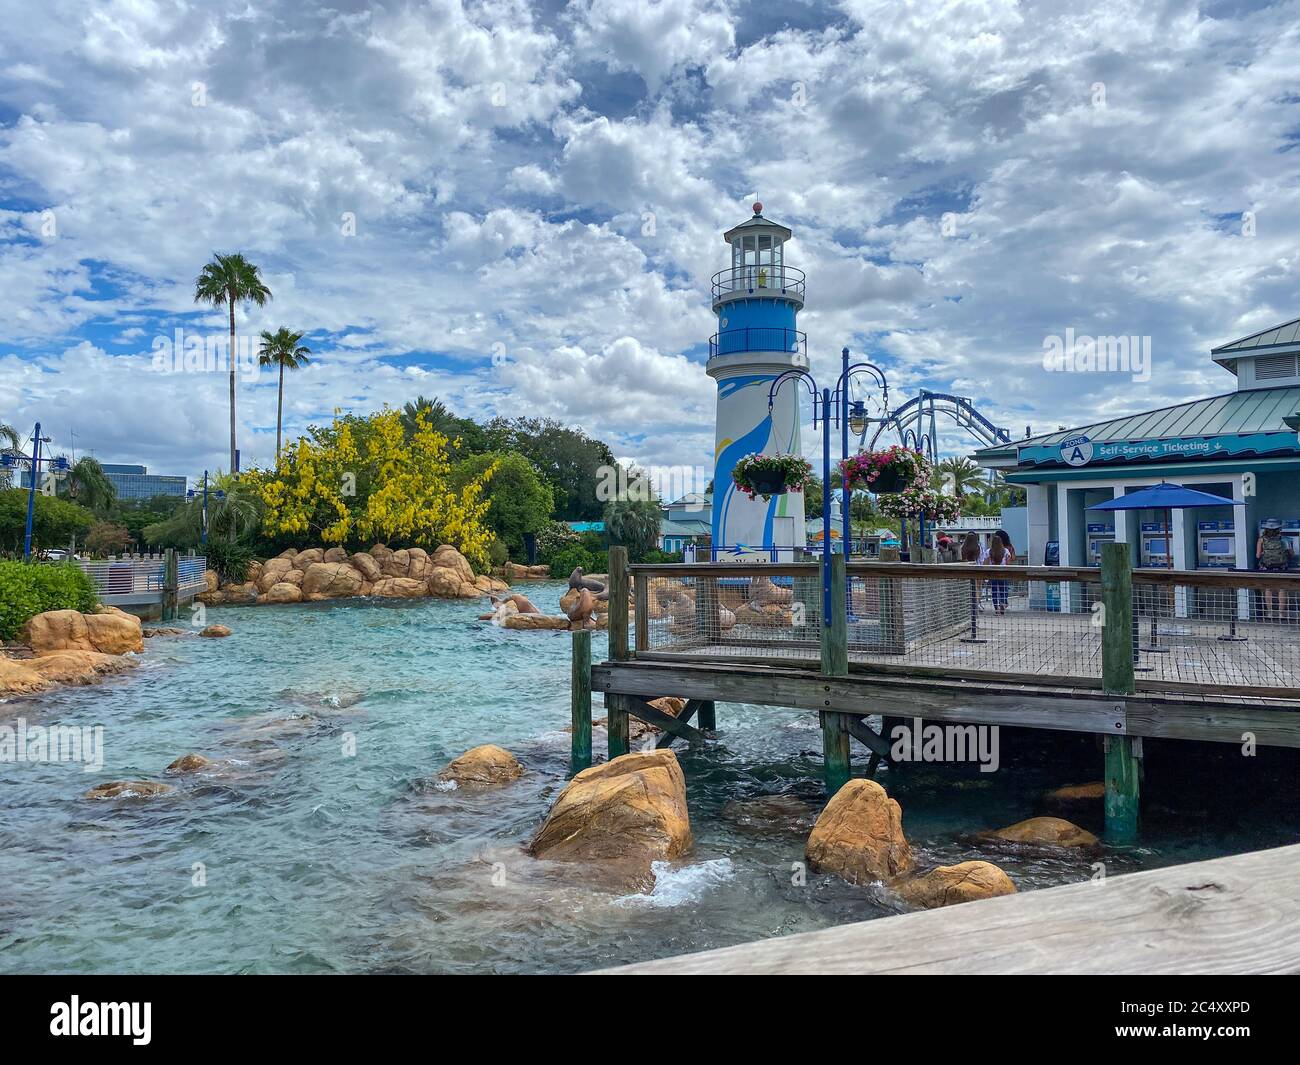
point(1077, 451)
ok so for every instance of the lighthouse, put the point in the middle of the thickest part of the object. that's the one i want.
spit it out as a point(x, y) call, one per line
point(757, 300)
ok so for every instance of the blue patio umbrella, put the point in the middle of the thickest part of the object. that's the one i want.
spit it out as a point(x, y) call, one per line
point(1168, 497)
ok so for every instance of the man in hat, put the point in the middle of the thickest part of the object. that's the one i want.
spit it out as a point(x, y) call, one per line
point(1272, 555)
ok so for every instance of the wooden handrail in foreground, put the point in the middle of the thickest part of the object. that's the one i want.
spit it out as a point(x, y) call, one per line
point(1227, 915)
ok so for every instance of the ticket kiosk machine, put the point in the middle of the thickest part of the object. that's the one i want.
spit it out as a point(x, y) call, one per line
point(1216, 544)
point(1155, 546)
point(1098, 534)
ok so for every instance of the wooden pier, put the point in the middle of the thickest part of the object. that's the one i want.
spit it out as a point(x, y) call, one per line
point(1121, 653)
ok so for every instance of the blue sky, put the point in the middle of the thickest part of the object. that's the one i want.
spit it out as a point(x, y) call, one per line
point(1096, 161)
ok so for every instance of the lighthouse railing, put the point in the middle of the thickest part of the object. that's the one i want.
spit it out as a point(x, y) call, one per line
point(758, 280)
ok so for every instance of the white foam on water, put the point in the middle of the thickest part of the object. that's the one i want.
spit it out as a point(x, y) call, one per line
point(683, 884)
point(445, 785)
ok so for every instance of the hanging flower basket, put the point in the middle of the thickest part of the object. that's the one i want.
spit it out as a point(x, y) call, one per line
point(886, 472)
point(771, 475)
point(917, 502)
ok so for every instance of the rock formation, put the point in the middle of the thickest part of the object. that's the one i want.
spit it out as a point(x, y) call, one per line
point(951, 884)
point(482, 767)
point(1043, 832)
point(859, 836)
point(630, 811)
point(316, 574)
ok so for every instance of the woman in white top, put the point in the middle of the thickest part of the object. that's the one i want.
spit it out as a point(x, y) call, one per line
point(1000, 553)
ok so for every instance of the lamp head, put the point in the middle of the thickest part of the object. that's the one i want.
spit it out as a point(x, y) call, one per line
point(858, 417)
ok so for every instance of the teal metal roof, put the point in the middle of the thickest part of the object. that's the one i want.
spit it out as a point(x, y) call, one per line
point(1284, 335)
point(1255, 411)
point(684, 528)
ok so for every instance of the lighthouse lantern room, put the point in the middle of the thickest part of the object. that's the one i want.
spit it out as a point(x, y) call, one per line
point(757, 301)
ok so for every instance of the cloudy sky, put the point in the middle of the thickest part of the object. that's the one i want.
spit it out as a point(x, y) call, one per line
point(538, 192)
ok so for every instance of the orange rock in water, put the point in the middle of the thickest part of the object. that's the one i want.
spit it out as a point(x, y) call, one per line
point(859, 836)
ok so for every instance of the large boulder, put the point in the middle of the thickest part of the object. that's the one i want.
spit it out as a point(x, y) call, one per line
point(630, 810)
point(113, 632)
point(211, 579)
point(246, 593)
point(283, 592)
point(335, 554)
point(447, 557)
point(274, 572)
point(859, 836)
point(399, 588)
point(398, 564)
point(330, 580)
point(365, 564)
point(254, 572)
point(1049, 832)
point(216, 632)
point(78, 667)
point(303, 560)
point(18, 678)
point(535, 622)
point(482, 767)
point(446, 583)
point(485, 584)
point(950, 884)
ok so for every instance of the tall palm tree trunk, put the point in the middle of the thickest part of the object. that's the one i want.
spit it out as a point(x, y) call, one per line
point(279, 413)
point(231, 356)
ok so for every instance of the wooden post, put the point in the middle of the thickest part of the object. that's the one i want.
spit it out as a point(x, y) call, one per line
point(1117, 636)
point(618, 649)
point(641, 607)
point(892, 638)
point(707, 718)
point(171, 585)
point(616, 724)
point(835, 637)
point(580, 701)
point(837, 767)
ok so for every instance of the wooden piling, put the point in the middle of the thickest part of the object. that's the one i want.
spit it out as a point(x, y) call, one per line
point(837, 766)
point(616, 724)
point(171, 585)
point(835, 637)
point(580, 701)
point(1117, 635)
point(707, 717)
point(618, 648)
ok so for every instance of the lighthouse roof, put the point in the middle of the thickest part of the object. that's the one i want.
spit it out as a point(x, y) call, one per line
point(757, 224)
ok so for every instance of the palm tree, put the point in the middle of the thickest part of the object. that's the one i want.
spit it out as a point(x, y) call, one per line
point(9, 444)
point(87, 483)
point(282, 349)
point(434, 410)
point(964, 476)
point(227, 280)
point(634, 523)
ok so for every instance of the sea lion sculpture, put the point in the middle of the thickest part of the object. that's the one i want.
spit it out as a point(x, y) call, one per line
point(577, 580)
point(582, 609)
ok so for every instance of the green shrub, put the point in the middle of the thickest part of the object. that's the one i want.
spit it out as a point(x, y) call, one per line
point(563, 562)
point(660, 558)
point(230, 558)
point(498, 555)
point(31, 588)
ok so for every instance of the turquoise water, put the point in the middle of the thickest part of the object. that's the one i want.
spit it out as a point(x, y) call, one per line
point(319, 862)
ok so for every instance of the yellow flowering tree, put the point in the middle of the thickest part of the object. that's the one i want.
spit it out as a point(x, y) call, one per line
point(365, 479)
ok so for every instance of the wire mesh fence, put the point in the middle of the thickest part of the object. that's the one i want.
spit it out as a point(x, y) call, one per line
point(1226, 630)
point(775, 612)
point(1213, 633)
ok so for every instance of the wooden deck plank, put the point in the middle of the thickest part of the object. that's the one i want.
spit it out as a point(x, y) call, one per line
point(1230, 915)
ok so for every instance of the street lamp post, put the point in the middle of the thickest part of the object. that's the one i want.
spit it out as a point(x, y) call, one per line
point(33, 462)
point(203, 524)
point(838, 402)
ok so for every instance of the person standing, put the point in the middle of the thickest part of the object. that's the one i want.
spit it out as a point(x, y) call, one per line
point(1272, 555)
point(1001, 553)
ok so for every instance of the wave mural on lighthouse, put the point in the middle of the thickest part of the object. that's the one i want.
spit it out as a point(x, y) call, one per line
point(738, 520)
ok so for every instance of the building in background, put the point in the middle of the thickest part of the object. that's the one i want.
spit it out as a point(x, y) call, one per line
point(136, 482)
point(1241, 445)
